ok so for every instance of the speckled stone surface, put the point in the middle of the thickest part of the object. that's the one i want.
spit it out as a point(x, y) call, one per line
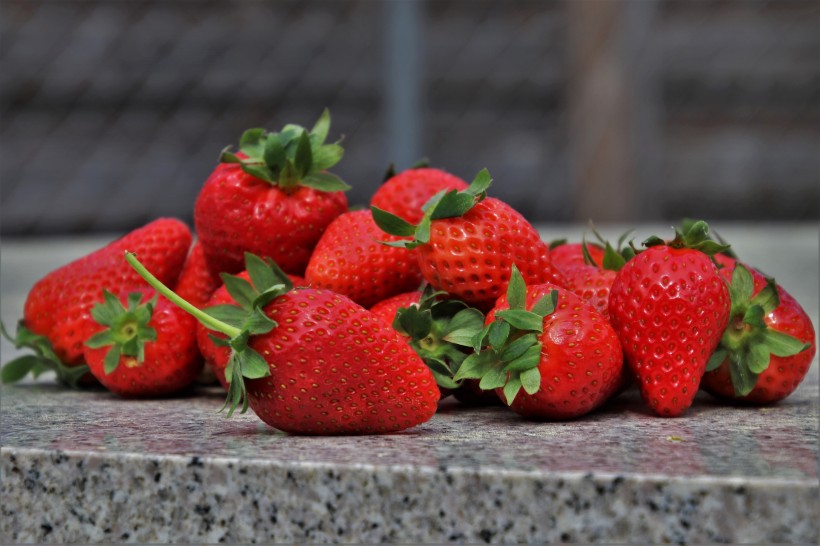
point(89, 467)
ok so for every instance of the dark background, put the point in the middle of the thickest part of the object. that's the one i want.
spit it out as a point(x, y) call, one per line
point(114, 112)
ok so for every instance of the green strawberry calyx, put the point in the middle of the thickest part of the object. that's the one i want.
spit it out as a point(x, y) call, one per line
point(238, 322)
point(290, 158)
point(508, 350)
point(128, 329)
point(614, 257)
point(440, 331)
point(695, 236)
point(43, 360)
point(444, 204)
point(748, 342)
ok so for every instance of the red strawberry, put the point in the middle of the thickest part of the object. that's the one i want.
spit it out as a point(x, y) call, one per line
point(405, 193)
point(196, 283)
point(592, 284)
point(467, 243)
point(670, 307)
point(566, 256)
point(543, 338)
point(350, 260)
point(274, 198)
point(56, 320)
point(769, 345)
point(216, 356)
point(148, 349)
point(312, 361)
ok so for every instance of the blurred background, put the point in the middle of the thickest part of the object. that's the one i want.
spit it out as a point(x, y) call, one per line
point(114, 112)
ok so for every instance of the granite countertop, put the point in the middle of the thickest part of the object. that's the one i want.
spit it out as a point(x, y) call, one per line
point(89, 467)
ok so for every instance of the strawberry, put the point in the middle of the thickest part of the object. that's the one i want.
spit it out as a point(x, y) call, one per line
point(544, 339)
point(670, 307)
point(592, 280)
point(196, 283)
point(769, 345)
point(404, 194)
point(56, 314)
point(147, 349)
point(274, 198)
point(467, 243)
point(216, 354)
point(349, 260)
point(566, 256)
point(311, 361)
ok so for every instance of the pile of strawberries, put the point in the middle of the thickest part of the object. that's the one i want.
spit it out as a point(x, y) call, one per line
point(325, 320)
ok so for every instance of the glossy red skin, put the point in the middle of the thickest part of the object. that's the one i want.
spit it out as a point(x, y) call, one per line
point(171, 362)
point(237, 213)
point(405, 193)
point(216, 357)
point(337, 369)
point(581, 359)
point(570, 255)
point(670, 308)
point(470, 257)
point(387, 309)
point(592, 285)
point(350, 260)
point(196, 283)
point(59, 305)
point(784, 374)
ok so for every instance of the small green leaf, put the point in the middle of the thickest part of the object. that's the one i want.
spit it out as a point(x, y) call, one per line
point(321, 127)
point(516, 289)
point(227, 156)
point(252, 142)
point(422, 231)
point(100, 339)
point(415, 322)
point(289, 176)
point(252, 365)
point(754, 316)
point(475, 366)
point(546, 304)
point(259, 272)
point(304, 155)
point(274, 155)
point(478, 340)
point(257, 322)
point(742, 284)
point(768, 298)
point(512, 388)
point(494, 378)
point(443, 380)
point(106, 312)
point(478, 187)
point(780, 344)
point(530, 359)
point(240, 290)
point(229, 314)
point(716, 359)
point(758, 358)
point(531, 380)
point(653, 241)
point(452, 205)
point(612, 260)
point(392, 224)
point(324, 157)
point(112, 359)
point(523, 320)
point(326, 182)
point(518, 347)
point(464, 326)
point(18, 368)
point(498, 334)
point(259, 171)
point(743, 379)
point(555, 243)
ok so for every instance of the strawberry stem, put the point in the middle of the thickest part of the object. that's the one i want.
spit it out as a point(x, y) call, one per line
point(206, 319)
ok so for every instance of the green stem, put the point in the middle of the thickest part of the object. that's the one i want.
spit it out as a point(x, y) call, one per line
point(207, 320)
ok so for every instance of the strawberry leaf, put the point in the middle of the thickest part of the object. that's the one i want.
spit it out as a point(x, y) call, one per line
point(531, 380)
point(478, 187)
point(464, 326)
point(475, 366)
point(518, 347)
point(782, 345)
point(240, 290)
point(252, 142)
point(392, 224)
point(112, 359)
point(529, 359)
point(494, 378)
point(498, 334)
point(716, 359)
point(545, 305)
point(522, 320)
point(304, 155)
point(758, 359)
point(327, 156)
point(259, 171)
point(768, 298)
point(252, 365)
point(511, 388)
point(321, 128)
point(743, 379)
point(18, 368)
point(516, 289)
point(229, 314)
